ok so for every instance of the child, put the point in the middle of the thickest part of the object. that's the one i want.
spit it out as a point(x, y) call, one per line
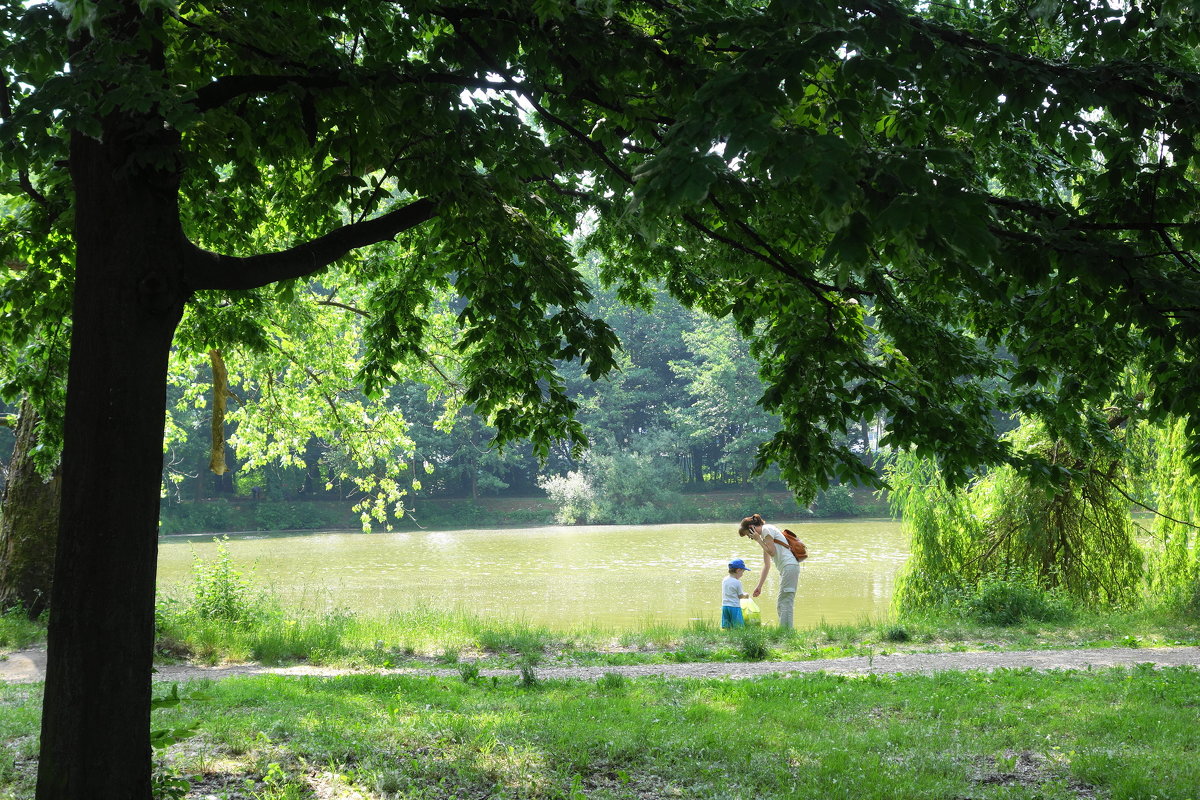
point(732, 594)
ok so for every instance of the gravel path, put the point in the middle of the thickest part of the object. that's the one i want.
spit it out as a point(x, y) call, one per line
point(28, 666)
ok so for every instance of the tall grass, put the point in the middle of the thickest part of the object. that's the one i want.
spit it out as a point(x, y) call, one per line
point(18, 631)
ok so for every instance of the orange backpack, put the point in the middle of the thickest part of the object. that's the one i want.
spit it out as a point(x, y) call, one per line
point(795, 545)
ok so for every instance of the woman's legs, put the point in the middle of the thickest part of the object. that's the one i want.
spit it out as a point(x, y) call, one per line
point(788, 578)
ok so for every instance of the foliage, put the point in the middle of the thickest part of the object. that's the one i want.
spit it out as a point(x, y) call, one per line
point(221, 591)
point(166, 782)
point(611, 682)
point(18, 631)
point(468, 671)
point(574, 496)
point(1076, 535)
point(288, 634)
point(1174, 569)
point(753, 643)
point(1013, 600)
point(635, 486)
point(836, 501)
point(720, 414)
point(529, 678)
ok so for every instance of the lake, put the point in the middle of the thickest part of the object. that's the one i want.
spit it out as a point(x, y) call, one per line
point(621, 577)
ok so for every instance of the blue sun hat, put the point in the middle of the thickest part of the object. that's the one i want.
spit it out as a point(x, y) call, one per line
point(737, 563)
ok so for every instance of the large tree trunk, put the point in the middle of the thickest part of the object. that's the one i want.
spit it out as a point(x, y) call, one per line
point(28, 523)
point(128, 300)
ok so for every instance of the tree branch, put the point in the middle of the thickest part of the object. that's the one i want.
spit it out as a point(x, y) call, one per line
point(207, 270)
point(336, 304)
point(6, 113)
point(229, 87)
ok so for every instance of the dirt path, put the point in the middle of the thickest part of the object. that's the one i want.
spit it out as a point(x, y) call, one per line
point(28, 666)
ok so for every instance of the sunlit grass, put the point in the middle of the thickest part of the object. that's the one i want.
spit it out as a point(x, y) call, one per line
point(278, 635)
point(18, 631)
point(1116, 733)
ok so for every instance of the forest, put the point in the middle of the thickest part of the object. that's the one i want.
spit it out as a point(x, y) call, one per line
point(678, 416)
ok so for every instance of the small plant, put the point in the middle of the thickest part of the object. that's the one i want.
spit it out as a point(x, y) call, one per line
point(390, 783)
point(165, 782)
point(449, 656)
point(468, 671)
point(690, 650)
point(611, 681)
point(753, 643)
point(221, 590)
point(529, 677)
point(896, 633)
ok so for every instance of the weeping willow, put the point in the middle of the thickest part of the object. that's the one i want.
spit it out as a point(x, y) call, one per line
point(1075, 536)
point(1174, 564)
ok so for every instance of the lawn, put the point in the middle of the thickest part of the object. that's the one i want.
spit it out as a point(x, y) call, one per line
point(1114, 733)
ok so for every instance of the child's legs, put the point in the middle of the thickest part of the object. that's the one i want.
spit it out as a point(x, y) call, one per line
point(731, 617)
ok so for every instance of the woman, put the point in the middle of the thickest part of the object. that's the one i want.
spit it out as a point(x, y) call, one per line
point(775, 548)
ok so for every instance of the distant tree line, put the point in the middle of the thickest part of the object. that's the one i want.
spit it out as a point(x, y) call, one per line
point(680, 415)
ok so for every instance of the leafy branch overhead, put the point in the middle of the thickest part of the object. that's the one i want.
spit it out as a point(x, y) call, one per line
point(882, 197)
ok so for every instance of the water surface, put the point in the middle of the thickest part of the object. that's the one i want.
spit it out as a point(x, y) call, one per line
point(611, 576)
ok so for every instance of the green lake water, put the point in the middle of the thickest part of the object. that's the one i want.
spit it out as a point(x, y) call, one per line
point(607, 576)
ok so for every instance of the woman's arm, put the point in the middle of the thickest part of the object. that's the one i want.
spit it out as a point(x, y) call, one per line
point(768, 546)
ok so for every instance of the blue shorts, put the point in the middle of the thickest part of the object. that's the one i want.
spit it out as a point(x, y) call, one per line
point(731, 617)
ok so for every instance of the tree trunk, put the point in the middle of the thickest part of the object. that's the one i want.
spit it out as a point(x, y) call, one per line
point(28, 523)
point(128, 300)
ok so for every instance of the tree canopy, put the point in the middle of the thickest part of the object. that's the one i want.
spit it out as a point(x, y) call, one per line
point(882, 194)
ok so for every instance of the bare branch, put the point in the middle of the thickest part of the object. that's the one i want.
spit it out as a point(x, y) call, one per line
point(352, 309)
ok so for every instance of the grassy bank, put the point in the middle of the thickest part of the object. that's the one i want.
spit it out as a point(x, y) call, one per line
point(421, 637)
point(1119, 734)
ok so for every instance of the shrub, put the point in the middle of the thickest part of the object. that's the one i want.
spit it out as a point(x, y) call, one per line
point(222, 591)
point(529, 677)
point(896, 633)
point(836, 501)
point(1008, 601)
point(574, 495)
point(619, 486)
point(753, 643)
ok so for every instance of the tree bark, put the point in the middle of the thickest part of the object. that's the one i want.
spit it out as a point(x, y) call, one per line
point(129, 297)
point(28, 523)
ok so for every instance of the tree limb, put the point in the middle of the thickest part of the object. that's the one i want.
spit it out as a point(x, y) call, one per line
point(204, 269)
point(229, 87)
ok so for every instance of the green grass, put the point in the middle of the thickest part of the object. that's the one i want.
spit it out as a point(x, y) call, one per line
point(17, 631)
point(1119, 733)
point(274, 635)
point(278, 636)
